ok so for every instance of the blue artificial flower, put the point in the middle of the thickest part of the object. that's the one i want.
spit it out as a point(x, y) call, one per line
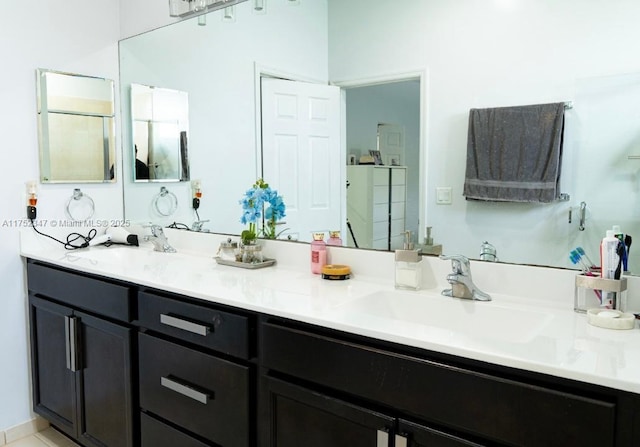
point(276, 210)
point(253, 204)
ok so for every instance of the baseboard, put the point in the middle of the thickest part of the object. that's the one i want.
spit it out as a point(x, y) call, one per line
point(23, 430)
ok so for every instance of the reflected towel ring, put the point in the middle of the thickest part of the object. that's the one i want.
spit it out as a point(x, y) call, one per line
point(80, 207)
point(165, 202)
point(583, 215)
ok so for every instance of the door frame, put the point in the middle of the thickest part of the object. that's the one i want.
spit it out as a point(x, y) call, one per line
point(422, 75)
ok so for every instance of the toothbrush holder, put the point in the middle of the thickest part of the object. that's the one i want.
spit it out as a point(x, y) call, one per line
point(596, 292)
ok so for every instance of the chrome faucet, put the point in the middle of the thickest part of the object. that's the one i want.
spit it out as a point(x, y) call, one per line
point(159, 240)
point(462, 285)
point(488, 252)
point(198, 224)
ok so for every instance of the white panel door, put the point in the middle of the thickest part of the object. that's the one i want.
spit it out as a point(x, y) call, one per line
point(301, 154)
point(391, 144)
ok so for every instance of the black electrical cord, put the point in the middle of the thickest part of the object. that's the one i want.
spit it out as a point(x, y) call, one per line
point(72, 238)
point(195, 204)
point(178, 226)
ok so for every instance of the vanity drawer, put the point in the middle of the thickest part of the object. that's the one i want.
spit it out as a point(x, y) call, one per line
point(219, 330)
point(90, 294)
point(154, 433)
point(204, 394)
point(492, 407)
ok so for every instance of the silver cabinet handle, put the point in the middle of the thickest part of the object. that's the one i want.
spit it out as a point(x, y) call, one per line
point(401, 441)
point(67, 340)
point(72, 357)
point(382, 439)
point(184, 390)
point(75, 364)
point(185, 325)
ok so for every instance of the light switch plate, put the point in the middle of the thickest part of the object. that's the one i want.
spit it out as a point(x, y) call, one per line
point(443, 195)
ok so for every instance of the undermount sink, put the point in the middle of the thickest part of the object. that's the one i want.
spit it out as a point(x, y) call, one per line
point(123, 254)
point(451, 317)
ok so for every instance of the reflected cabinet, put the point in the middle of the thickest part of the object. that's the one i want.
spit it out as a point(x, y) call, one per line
point(376, 206)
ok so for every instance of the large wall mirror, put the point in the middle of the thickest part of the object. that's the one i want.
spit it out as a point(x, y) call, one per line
point(76, 128)
point(458, 55)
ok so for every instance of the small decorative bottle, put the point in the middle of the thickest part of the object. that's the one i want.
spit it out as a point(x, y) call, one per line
point(334, 238)
point(318, 253)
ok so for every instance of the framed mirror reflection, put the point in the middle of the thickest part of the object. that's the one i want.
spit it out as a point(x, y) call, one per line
point(160, 125)
point(75, 128)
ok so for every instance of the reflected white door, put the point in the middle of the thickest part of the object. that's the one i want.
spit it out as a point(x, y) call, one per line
point(301, 153)
point(391, 144)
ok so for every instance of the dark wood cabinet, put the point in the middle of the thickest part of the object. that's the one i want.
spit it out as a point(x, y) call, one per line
point(154, 433)
point(302, 417)
point(104, 372)
point(410, 434)
point(54, 383)
point(199, 392)
point(436, 403)
point(196, 371)
point(206, 326)
point(114, 366)
point(81, 368)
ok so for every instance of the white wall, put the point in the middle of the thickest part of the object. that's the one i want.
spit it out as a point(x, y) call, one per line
point(222, 95)
point(67, 35)
point(500, 53)
point(139, 16)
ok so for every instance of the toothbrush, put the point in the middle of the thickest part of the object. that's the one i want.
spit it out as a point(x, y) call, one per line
point(627, 244)
point(575, 258)
point(581, 251)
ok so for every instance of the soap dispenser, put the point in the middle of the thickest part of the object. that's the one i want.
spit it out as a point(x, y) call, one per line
point(408, 274)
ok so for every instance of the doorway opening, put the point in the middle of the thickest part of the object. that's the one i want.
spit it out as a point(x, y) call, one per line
point(384, 126)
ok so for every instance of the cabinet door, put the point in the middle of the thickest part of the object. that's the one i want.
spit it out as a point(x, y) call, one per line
point(415, 435)
point(54, 385)
point(105, 381)
point(301, 417)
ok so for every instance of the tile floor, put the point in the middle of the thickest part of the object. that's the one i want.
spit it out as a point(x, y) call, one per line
point(48, 437)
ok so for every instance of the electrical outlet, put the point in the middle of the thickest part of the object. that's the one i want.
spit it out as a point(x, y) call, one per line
point(443, 195)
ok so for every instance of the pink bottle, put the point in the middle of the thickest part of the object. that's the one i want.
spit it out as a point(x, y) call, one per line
point(334, 238)
point(318, 253)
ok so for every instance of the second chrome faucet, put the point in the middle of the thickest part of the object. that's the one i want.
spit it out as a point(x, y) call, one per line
point(159, 240)
point(462, 285)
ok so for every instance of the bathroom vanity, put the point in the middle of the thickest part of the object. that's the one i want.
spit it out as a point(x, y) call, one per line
point(174, 350)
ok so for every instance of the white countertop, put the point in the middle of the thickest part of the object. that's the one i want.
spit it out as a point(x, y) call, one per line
point(510, 331)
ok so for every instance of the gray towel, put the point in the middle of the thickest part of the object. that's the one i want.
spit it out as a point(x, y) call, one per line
point(513, 153)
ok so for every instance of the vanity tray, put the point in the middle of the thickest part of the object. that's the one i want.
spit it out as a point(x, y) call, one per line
point(246, 265)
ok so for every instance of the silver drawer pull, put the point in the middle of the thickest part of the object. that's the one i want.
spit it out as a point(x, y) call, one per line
point(401, 441)
point(185, 325)
point(67, 341)
point(382, 438)
point(185, 390)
